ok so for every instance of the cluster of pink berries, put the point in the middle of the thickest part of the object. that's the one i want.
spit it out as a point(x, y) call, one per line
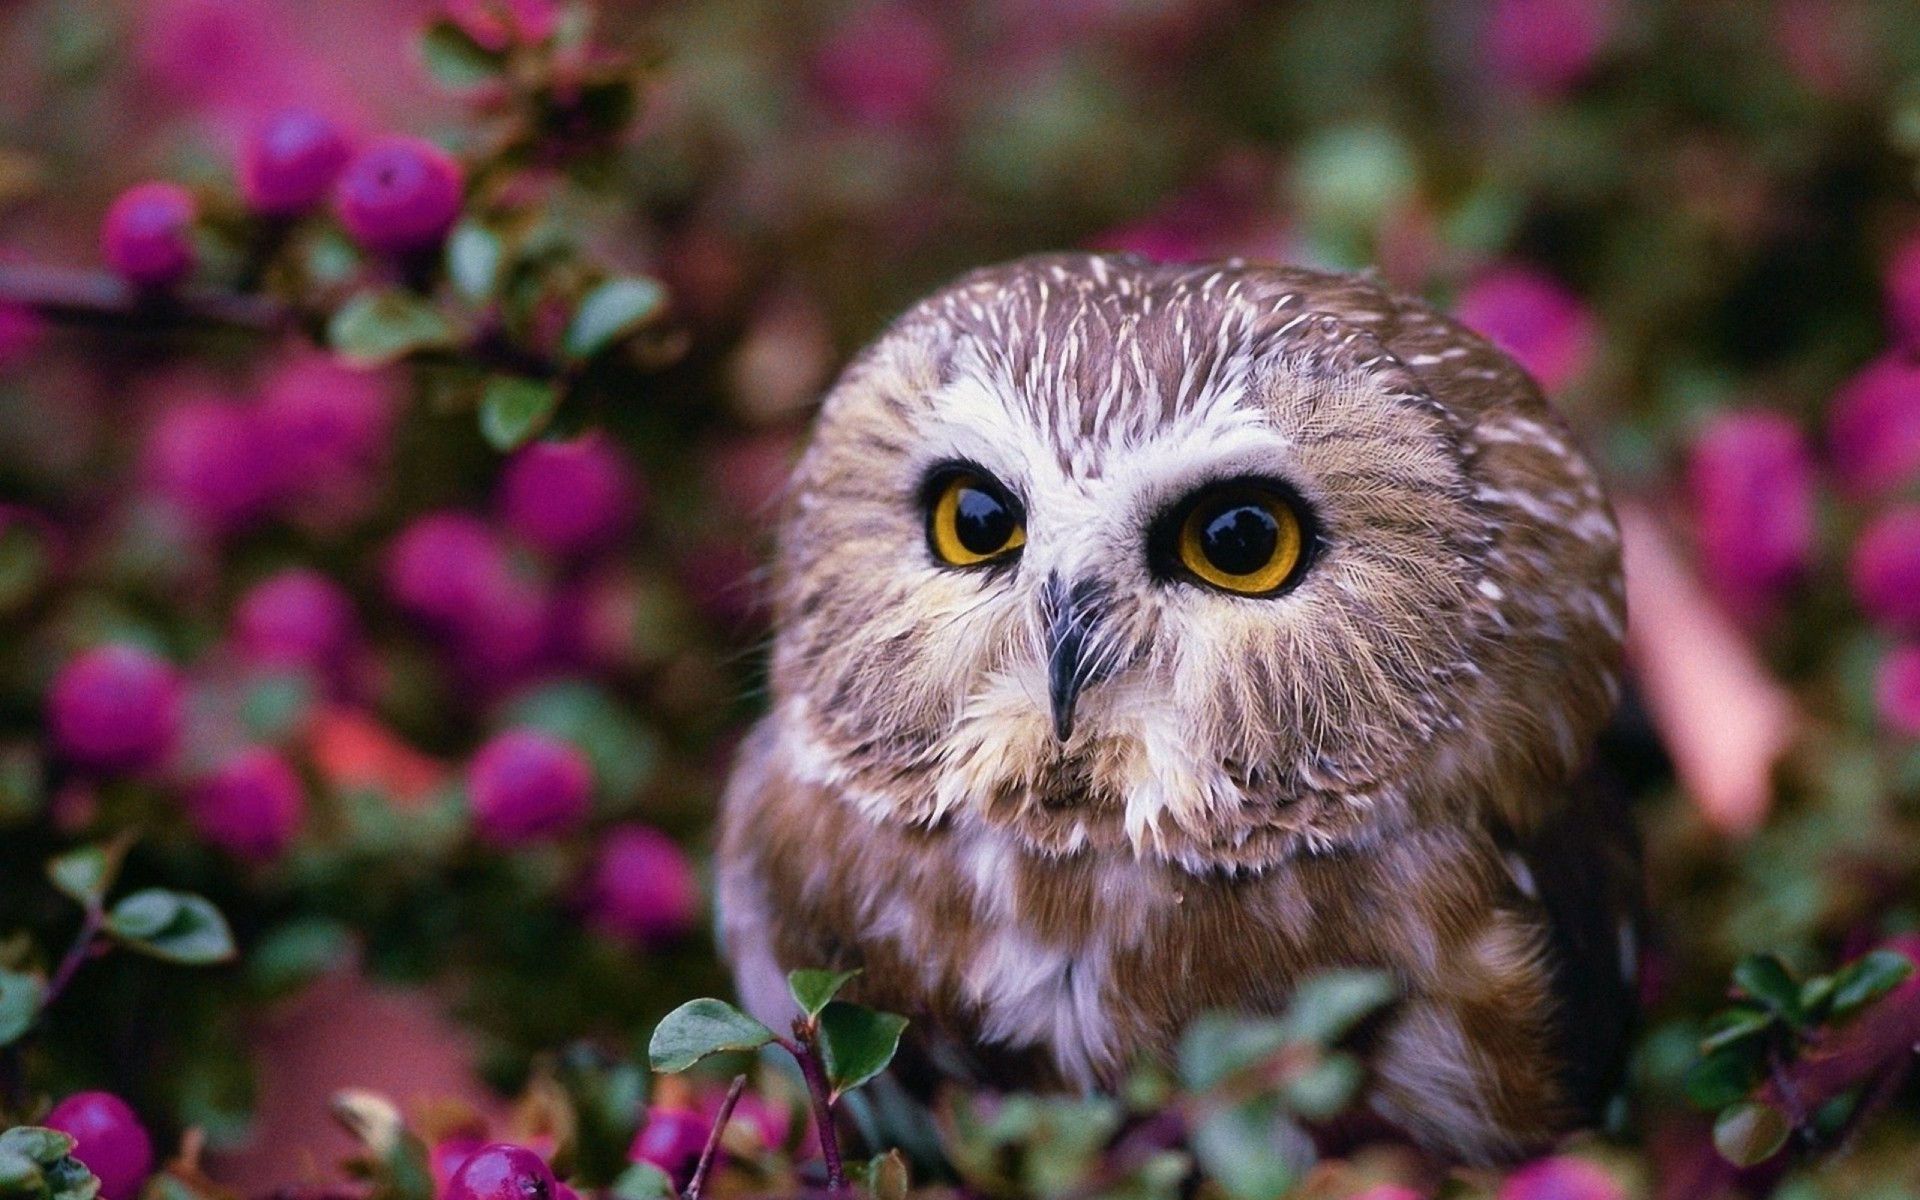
point(1754, 479)
point(394, 194)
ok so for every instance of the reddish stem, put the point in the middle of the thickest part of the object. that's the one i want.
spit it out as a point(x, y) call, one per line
point(712, 1150)
point(77, 954)
point(814, 1068)
point(80, 295)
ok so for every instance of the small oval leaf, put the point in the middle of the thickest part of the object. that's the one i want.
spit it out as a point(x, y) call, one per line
point(699, 1028)
point(611, 311)
point(1751, 1133)
point(1764, 977)
point(812, 990)
point(378, 327)
point(193, 932)
point(514, 409)
point(455, 59)
point(857, 1043)
point(20, 998)
point(1866, 979)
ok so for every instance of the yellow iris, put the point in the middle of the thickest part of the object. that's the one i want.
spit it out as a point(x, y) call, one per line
point(1241, 539)
point(972, 522)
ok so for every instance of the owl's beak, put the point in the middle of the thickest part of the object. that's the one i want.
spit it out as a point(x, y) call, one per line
point(1072, 665)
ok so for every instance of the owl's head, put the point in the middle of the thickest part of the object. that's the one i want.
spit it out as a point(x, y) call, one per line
point(1221, 562)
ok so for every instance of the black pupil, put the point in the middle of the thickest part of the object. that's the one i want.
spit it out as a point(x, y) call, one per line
point(1240, 540)
point(981, 522)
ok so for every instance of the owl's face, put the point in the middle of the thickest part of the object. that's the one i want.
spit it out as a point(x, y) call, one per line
point(1192, 560)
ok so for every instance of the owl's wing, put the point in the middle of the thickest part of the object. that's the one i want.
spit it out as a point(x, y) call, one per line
point(1583, 865)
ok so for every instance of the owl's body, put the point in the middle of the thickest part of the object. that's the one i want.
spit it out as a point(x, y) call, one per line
point(1150, 637)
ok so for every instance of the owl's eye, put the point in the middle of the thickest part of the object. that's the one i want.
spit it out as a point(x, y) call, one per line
point(971, 520)
point(1244, 538)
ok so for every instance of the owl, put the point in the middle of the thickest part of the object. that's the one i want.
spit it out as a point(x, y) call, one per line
point(1150, 637)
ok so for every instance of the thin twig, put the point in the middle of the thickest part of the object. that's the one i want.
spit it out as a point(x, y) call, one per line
point(712, 1151)
point(814, 1068)
point(74, 294)
point(77, 954)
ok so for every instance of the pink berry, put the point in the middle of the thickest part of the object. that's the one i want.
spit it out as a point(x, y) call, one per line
point(1902, 288)
point(568, 498)
point(672, 1140)
point(116, 708)
point(1751, 480)
point(1885, 569)
point(1561, 1178)
point(147, 237)
point(1897, 690)
point(400, 193)
point(1387, 1191)
point(251, 807)
point(525, 785)
point(328, 430)
point(503, 1172)
point(290, 162)
point(447, 1157)
point(643, 886)
point(108, 1139)
point(1873, 427)
point(444, 566)
point(1547, 46)
point(297, 618)
point(886, 65)
point(203, 453)
point(1535, 318)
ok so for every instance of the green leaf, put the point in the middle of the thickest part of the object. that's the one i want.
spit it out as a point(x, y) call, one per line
point(1218, 1045)
point(474, 255)
point(456, 60)
point(37, 1143)
point(699, 1028)
point(1329, 1004)
point(144, 913)
point(1867, 979)
point(644, 1181)
point(857, 1043)
point(1252, 1150)
point(887, 1176)
point(1724, 1076)
point(18, 1173)
point(611, 311)
point(296, 953)
point(1816, 994)
point(1325, 1090)
point(85, 874)
point(1751, 1133)
point(20, 998)
point(1734, 1024)
point(1765, 978)
point(813, 989)
point(178, 927)
point(377, 327)
point(514, 409)
point(69, 1179)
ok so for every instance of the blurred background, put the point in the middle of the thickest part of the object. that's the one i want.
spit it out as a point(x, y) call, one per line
point(368, 617)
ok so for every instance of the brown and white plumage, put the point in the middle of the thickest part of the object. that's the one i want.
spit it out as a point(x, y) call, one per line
point(1060, 803)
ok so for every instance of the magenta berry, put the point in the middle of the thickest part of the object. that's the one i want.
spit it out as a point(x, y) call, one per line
point(672, 1140)
point(116, 708)
point(400, 193)
point(525, 785)
point(251, 807)
point(1896, 690)
point(203, 454)
point(147, 237)
point(290, 162)
point(1561, 1178)
point(1546, 46)
point(1873, 426)
point(297, 618)
point(1751, 480)
point(643, 887)
point(444, 566)
point(108, 1139)
point(1885, 569)
point(1536, 319)
point(1902, 287)
point(568, 498)
point(502, 1171)
point(328, 430)
point(886, 66)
